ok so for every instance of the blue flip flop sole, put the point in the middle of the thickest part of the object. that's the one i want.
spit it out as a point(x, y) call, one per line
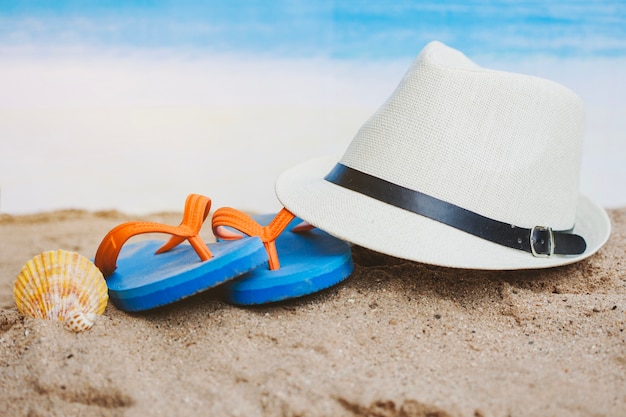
point(309, 262)
point(144, 280)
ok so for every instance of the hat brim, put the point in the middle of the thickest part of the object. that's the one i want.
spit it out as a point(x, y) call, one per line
point(384, 228)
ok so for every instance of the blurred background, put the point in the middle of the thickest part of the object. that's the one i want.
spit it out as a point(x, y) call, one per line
point(131, 105)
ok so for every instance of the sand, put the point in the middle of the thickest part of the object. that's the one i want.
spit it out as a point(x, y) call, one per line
point(395, 339)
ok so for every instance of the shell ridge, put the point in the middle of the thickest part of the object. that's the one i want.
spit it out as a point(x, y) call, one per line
point(35, 268)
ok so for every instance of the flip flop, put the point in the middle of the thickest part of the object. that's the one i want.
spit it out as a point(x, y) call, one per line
point(149, 274)
point(310, 259)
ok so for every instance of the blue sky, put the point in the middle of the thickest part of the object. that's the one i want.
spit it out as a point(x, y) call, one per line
point(336, 29)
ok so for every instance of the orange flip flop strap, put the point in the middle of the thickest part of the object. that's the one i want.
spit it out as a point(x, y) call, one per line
point(196, 211)
point(236, 219)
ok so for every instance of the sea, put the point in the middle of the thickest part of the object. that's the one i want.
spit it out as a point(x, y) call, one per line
point(132, 105)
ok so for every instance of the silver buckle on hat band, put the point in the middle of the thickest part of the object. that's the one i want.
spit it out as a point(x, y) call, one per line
point(542, 241)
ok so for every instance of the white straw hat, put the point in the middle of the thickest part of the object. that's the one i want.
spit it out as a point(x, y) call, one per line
point(462, 167)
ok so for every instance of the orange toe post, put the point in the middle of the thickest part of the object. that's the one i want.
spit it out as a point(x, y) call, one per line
point(197, 209)
point(238, 220)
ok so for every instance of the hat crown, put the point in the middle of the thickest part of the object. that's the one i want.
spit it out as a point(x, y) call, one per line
point(504, 145)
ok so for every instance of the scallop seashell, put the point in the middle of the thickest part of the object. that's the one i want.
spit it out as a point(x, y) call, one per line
point(61, 285)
